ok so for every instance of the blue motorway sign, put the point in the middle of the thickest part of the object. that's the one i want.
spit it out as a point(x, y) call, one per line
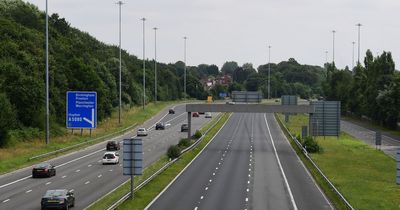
point(222, 94)
point(81, 109)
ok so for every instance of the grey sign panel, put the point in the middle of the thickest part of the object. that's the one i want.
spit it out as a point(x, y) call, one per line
point(325, 121)
point(249, 108)
point(289, 100)
point(132, 156)
point(246, 96)
point(378, 138)
point(398, 166)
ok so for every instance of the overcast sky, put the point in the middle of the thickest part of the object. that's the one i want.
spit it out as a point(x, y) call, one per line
point(240, 30)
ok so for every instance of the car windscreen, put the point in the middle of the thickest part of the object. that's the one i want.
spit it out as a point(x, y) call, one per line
point(42, 165)
point(54, 193)
point(109, 156)
point(141, 129)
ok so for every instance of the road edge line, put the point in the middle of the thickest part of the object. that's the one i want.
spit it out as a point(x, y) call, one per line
point(187, 166)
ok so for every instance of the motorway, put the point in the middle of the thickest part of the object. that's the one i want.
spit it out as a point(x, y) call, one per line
point(248, 165)
point(83, 172)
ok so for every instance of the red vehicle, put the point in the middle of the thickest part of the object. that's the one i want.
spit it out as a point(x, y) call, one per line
point(195, 114)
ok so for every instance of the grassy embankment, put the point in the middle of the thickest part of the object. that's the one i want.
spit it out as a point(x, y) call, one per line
point(365, 176)
point(146, 194)
point(17, 156)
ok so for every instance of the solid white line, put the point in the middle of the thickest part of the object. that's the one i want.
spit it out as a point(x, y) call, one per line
point(184, 169)
point(280, 165)
point(28, 191)
point(5, 201)
point(5, 185)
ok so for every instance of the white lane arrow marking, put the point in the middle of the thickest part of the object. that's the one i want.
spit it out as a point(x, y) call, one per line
point(91, 122)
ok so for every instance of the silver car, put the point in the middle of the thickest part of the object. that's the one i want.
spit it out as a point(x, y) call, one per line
point(142, 132)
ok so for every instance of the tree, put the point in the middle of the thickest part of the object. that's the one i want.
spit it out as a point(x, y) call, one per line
point(229, 67)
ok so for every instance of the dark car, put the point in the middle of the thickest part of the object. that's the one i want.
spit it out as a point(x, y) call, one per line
point(112, 145)
point(201, 112)
point(43, 170)
point(58, 199)
point(171, 111)
point(160, 126)
point(184, 127)
point(195, 114)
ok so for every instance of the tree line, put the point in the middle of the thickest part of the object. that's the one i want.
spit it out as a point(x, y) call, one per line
point(370, 91)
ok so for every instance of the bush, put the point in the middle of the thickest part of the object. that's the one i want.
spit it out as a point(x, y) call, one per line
point(183, 143)
point(311, 145)
point(174, 151)
point(197, 135)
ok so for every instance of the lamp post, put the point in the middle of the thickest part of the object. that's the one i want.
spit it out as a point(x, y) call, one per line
point(269, 71)
point(359, 31)
point(47, 77)
point(144, 64)
point(184, 73)
point(333, 46)
point(352, 61)
point(155, 64)
point(120, 63)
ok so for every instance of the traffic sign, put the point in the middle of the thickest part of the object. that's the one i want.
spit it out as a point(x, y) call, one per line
point(222, 94)
point(81, 109)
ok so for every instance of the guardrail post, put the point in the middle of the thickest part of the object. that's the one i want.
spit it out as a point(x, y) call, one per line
point(398, 166)
point(189, 119)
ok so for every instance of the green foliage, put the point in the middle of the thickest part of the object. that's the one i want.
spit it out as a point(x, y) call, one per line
point(311, 145)
point(8, 119)
point(77, 62)
point(197, 134)
point(174, 151)
point(183, 143)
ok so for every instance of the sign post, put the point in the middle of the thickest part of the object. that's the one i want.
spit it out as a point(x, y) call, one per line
point(378, 139)
point(132, 159)
point(81, 110)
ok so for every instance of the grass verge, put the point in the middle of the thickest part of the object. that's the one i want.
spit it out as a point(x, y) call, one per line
point(17, 156)
point(146, 194)
point(366, 177)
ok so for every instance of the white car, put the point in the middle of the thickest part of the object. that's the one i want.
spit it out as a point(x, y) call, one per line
point(208, 115)
point(110, 158)
point(141, 132)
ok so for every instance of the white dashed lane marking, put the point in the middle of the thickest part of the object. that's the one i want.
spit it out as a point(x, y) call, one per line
point(5, 201)
point(28, 191)
point(87, 182)
point(77, 170)
point(89, 165)
point(63, 177)
point(48, 183)
point(99, 176)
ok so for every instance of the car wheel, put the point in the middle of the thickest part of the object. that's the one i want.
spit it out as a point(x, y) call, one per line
point(54, 174)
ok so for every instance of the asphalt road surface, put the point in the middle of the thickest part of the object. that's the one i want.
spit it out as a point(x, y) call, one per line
point(249, 165)
point(389, 145)
point(83, 172)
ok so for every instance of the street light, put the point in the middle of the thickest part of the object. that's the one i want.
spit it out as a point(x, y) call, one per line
point(269, 71)
point(144, 65)
point(47, 77)
point(359, 28)
point(120, 3)
point(333, 50)
point(155, 64)
point(352, 62)
point(184, 77)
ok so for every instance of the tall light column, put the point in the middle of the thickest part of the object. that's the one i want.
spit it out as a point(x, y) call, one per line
point(155, 64)
point(144, 65)
point(333, 47)
point(120, 64)
point(352, 61)
point(269, 71)
point(359, 31)
point(326, 56)
point(184, 58)
point(47, 77)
